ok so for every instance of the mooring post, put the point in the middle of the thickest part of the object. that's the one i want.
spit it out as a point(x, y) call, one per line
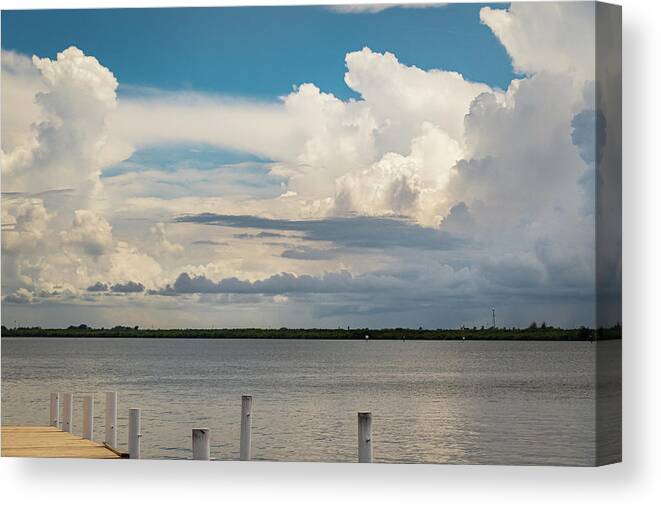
point(201, 444)
point(88, 417)
point(111, 419)
point(134, 433)
point(67, 412)
point(364, 437)
point(55, 410)
point(246, 426)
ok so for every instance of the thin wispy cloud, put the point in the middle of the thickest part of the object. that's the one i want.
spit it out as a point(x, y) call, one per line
point(373, 8)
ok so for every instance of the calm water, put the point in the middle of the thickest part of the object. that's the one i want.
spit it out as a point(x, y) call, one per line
point(445, 402)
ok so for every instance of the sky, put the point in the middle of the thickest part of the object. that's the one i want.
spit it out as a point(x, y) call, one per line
point(379, 166)
point(259, 52)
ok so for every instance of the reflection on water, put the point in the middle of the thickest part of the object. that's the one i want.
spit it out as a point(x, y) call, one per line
point(445, 402)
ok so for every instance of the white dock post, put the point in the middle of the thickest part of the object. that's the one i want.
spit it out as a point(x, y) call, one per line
point(246, 427)
point(111, 419)
point(55, 410)
point(364, 437)
point(201, 444)
point(88, 417)
point(67, 412)
point(134, 433)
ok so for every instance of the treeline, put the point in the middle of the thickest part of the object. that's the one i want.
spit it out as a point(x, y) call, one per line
point(542, 333)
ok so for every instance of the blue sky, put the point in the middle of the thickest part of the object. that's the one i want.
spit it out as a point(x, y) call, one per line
point(259, 52)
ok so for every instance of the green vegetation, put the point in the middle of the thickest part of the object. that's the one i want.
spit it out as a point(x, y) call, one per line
point(532, 333)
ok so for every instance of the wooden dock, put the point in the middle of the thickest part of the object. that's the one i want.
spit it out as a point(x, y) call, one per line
point(50, 442)
point(55, 442)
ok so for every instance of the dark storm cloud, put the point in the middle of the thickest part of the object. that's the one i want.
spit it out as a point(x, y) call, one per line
point(98, 287)
point(285, 283)
point(513, 272)
point(356, 232)
point(17, 298)
point(459, 219)
point(589, 135)
point(130, 287)
point(390, 287)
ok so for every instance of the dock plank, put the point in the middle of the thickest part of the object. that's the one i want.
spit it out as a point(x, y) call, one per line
point(50, 442)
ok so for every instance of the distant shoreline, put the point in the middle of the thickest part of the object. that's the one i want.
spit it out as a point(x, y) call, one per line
point(393, 334)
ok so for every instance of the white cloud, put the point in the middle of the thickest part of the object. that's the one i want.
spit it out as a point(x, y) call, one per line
point(24, 224)
point(20, 296)
point(360, 8)
point(402, 97)
point(389, 186)
point(127, 263)
point(57, 244)
point(412, 185)
point(523, 142)
point(89, 232)
point(20, 85)
point(66, 142)
point(163, 245)
point(558, 37)
point(492, 181)
point(244, 125)
point(373, 8)
point(320, 142)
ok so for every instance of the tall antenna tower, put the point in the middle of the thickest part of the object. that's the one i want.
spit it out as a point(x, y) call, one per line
point(493, 317)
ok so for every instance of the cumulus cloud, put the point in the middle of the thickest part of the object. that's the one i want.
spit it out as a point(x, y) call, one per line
point(67, 140)
point(128, 262)
point(128, 287)
point(389, 186)
point(56, 238)
point(519, 194)
point(163, 245)
point(316, 139)
point(287, 283)
point(410, 185)
point(20, 296)
point(402, 98)
point(20, 85)
point(426, 191)
point(459, 220)
point(543, 162)
point(24, 224)
point(558, 37)
point(98, 287)
point(89, 232)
